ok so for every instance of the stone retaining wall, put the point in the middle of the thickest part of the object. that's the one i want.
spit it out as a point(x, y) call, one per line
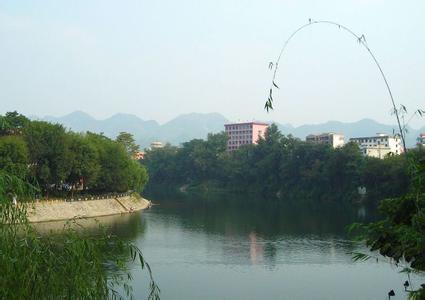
point(55, 210)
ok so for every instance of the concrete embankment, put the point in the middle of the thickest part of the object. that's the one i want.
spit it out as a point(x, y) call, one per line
point(56, 210)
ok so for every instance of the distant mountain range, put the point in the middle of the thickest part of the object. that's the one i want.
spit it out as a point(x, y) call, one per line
point(180, 129)
point(197, 125)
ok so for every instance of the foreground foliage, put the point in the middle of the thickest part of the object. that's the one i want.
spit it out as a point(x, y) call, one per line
point(400, 235)
point(72, 265)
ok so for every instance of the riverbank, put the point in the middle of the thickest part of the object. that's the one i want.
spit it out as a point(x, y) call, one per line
point(59, 210)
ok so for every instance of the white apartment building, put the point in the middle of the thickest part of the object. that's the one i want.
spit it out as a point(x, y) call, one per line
point(380, 145)
point(244, 133)
point(330, 138)
point(157, 145)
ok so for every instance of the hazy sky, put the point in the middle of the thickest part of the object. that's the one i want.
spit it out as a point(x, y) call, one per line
point(158, 59)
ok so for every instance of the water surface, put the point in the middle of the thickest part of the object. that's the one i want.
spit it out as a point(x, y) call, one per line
point(232, 249)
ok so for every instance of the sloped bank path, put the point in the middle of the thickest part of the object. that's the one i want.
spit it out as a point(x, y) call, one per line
point(59, 210)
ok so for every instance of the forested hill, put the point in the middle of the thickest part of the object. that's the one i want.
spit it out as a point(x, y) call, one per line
point(185, 127)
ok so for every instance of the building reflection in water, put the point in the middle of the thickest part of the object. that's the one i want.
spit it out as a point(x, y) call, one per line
point(256, 250)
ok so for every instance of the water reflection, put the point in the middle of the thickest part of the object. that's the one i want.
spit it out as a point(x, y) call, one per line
point(256, 250)
point(251, 232)
point(128, 226)
point(234, 247)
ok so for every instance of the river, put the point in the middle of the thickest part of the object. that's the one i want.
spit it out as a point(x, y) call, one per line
point(202, 248)
point(224, 249)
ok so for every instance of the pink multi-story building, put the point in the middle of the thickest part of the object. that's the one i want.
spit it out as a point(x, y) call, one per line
point(244, 133)
point(421, 139)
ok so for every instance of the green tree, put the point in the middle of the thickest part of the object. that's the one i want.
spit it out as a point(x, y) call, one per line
point(14, 157)
point(163, 165)
point(385, 178)
point(118, 172)
point(12, 123)
point(127, 140)
point(49, 153)
point(138, 176)
point(400, 235)
point(342, 172)
point(83, 161)
point(267, 157)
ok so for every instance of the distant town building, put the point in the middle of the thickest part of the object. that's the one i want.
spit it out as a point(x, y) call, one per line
point(380, 145)
point(139, 155)
point(421, 139)
point(157, 145)
point(330, 138)
point(244, 133)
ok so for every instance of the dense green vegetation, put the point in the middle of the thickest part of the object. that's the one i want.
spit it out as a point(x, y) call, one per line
point(400, 235)
point(63, 162)
point(127, 140)
point(38, 157)
point(280, 167)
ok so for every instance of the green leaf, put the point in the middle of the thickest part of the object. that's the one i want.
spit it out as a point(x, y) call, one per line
point(270, 65)
point(357, 256)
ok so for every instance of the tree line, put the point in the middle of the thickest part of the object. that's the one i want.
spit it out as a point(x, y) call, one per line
point(281, 167)
point(62, 162)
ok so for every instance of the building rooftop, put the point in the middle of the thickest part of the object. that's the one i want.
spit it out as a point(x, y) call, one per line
point(378, 135)
point(325, 133)
point(245, 123)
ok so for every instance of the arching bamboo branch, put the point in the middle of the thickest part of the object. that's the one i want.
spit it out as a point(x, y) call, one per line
point(361, 40)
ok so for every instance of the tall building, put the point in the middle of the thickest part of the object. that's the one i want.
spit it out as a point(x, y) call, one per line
point(330, 138)
point(421, 139)
point(244, 133)
point(380, 145)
